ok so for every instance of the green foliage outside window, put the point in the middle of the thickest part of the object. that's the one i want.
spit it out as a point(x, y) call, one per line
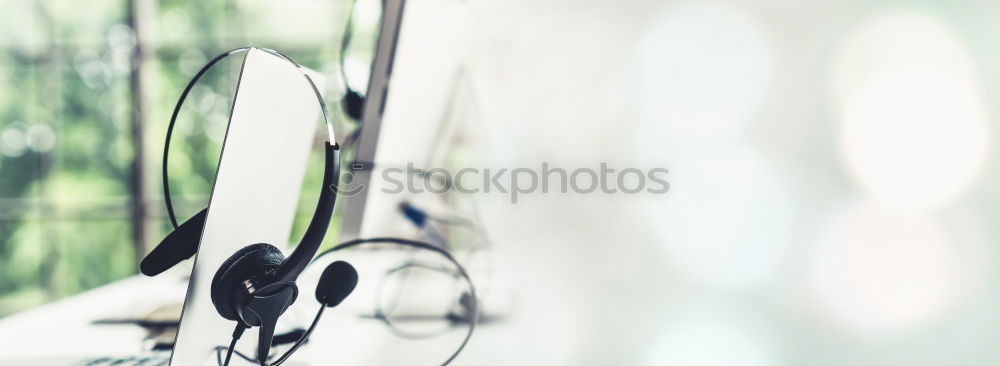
point(70, 77)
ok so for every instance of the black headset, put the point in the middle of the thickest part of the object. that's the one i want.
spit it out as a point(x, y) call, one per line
point(257, 283)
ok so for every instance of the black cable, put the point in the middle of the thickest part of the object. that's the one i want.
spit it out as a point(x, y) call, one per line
point(229, 354)
point(218, 355)
point(244, 356)
point(385, 315)
point(302, 340)
point(425, 246)
point(460, 271)
point(237, 333)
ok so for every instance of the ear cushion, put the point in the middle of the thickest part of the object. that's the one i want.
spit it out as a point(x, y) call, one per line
point(248, 263)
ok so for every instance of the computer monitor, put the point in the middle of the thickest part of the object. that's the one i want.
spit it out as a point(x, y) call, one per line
point(264, 157)
point(420, 51)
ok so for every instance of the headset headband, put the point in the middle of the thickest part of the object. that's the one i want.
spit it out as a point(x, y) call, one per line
point(316, 231)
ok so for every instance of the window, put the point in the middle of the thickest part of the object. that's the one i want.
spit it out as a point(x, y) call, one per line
point(88, 88)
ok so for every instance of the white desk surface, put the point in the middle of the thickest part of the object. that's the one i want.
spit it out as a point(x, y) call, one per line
point(63, 332)
point(65, 328)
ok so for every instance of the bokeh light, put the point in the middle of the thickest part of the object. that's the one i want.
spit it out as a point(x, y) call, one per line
point(715, 339)
point(727, 219)
point(690, 87)
point(12, 141)
point(877, 273)
point(913, 131)
point(40, 137)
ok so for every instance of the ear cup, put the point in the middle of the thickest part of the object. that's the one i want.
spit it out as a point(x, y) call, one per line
point(248, 263)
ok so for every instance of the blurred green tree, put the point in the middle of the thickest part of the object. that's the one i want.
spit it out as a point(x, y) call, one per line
point(84, 103)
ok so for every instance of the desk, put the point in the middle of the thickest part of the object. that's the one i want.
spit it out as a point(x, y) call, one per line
point(65, 329)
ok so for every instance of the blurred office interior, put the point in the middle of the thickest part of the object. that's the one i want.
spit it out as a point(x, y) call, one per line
point(830, 201)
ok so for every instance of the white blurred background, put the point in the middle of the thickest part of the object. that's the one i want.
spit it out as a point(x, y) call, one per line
point(829, 170)
point(829, 166)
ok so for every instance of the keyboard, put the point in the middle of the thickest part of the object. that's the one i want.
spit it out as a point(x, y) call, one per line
point(146, 360)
